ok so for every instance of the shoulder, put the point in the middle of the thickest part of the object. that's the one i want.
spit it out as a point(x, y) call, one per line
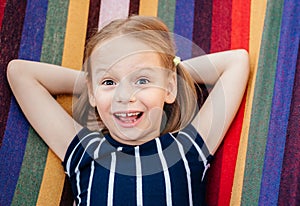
point(189, 138)
point(83, 144)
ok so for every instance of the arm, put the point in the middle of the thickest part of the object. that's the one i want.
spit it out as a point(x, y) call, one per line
point(228, 71)
point(33, 85)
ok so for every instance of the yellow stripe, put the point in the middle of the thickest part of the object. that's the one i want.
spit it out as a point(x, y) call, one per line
point(53, 179)
point(148, 7)
point(258, 9)
point(75, 34)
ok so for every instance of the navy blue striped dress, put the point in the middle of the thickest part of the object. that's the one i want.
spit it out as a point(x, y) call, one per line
point(168, 170)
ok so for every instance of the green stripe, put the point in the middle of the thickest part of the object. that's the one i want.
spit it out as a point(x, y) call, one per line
point(53, 44)
point(262, 103)
point(166, 12)
point(31, 174)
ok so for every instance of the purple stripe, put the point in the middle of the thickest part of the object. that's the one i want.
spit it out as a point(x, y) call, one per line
point(14, 141)
point(289, 193)
point(183, 27)
point(202, 25)
point(284, 80)
point(33, 30)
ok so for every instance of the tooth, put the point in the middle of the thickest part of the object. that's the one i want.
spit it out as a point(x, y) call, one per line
point(127, 114)
point(131, 114)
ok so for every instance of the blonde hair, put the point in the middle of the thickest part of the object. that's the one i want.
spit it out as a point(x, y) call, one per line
point(154, 33)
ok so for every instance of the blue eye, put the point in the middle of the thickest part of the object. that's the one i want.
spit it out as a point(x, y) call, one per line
point(108, 82)
point(143, 81)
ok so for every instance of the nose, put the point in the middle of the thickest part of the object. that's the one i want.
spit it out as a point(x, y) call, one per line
point(125, 93)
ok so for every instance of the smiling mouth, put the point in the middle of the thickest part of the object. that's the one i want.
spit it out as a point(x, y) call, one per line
point(128, 117)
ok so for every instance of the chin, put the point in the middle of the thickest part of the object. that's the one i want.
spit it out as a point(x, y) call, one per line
point(134, 137)
point(131, 139)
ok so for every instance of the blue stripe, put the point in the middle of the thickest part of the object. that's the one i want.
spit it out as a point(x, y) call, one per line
point(183, 27)
point(33, 31)
point(15, 137)
point(286, 66)
point(12, 151)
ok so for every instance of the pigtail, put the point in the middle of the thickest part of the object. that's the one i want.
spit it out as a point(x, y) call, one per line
point(182, 111)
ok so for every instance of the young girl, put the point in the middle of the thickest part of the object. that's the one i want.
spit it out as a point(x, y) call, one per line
point(153, 145)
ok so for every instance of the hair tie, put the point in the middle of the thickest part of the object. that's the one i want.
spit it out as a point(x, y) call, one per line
point(176, 60)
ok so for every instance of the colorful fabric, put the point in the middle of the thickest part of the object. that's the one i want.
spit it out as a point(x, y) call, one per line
point(259, 161)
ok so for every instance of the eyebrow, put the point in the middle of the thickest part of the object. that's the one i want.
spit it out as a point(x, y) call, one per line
point(99, 70)
point(140, 69)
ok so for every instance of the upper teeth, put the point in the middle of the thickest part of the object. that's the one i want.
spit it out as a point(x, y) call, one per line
point(127, 114)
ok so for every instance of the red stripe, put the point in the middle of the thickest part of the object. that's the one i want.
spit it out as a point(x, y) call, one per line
point(93, 19)
point(220, 41)
point(67, 195)
point(134, 7)
point(11, 33)
point(214, 177)
point(221, 25)
point(231, 144)
point(239, 39)
point(2, 7)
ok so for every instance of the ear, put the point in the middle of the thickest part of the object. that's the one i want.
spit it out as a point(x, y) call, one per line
point(91, 94)
point(171, 88)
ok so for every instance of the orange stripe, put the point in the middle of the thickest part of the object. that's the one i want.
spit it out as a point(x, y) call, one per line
point(240, 25)
point(148, 7)
point(53, 179)
point(257, 15)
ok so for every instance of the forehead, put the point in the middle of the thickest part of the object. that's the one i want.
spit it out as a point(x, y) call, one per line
point(112, 51)
point(134, 64)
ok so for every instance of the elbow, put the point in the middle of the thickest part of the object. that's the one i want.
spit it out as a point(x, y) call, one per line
point(14, 71)
point(13, 66)
point(242, 57)
point(11, 70)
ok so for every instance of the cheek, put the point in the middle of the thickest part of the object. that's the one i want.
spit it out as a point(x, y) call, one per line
point(153, 98)
point(103, 102)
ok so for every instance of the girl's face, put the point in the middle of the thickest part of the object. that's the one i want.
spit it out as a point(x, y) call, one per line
point(130, 88)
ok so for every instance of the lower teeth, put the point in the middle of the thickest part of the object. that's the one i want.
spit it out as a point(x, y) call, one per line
point(128, 121)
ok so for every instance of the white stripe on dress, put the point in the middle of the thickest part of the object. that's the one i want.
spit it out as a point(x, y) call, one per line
point(78, 187)
point(90, 183)
point(77, 169)
point(206, 166)
point(166, 172)
point(110, 194)
point(89, 144)
point(139, 186)
point(187, 169)
point(96, 152)
point(72, 153)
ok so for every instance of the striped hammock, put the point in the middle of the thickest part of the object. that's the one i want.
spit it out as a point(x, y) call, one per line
point(259, 161)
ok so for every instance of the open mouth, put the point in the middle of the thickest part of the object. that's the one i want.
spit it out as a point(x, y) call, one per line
point(128, 117)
